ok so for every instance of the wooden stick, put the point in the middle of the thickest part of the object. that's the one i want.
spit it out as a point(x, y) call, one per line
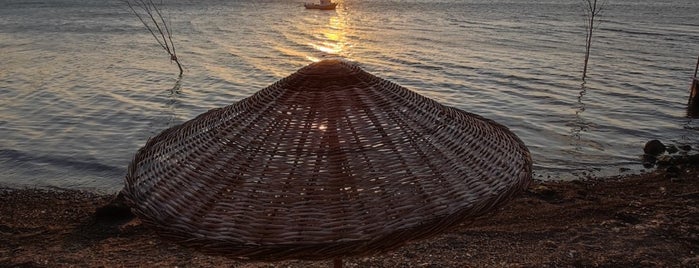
point(695, 68)
point(693, 103)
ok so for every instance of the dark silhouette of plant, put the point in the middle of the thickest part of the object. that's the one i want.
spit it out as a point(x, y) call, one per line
point(149, 14)
point(592, 10)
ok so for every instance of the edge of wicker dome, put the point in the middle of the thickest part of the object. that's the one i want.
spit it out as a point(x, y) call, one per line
point(251, 250)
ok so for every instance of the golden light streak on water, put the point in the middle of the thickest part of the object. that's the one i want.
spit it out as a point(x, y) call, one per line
point(313, 59)
point(332, 38)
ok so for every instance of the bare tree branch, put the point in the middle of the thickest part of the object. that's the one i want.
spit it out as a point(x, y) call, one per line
point(592, 10)
point(144, 23)
point(143, 8)
point(167, 29)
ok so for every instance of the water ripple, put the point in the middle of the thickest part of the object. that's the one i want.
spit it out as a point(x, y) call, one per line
point(83, 85)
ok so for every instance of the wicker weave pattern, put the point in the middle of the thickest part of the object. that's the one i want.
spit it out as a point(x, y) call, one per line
point(328, 162)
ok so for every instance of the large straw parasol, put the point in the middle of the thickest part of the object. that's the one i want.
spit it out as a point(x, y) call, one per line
point(328, 162)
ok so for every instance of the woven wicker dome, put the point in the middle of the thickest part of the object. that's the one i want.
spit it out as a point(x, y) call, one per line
point(328, 162)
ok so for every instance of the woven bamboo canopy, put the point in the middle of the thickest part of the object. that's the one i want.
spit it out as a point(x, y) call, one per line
point(328, 162)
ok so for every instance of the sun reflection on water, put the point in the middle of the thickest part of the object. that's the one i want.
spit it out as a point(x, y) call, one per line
point(331, 40)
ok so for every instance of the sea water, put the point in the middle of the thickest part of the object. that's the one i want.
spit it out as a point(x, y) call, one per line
point(83, 84)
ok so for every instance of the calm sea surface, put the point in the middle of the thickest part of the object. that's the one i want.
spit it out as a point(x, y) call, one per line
point(83, 84)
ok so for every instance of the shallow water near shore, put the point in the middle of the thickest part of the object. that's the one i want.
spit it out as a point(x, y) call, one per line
point(83, 84)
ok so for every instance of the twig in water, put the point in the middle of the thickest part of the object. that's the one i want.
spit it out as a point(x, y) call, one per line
point(143, 8)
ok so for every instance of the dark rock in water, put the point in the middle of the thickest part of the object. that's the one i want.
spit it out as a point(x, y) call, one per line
point(654, 147)
point(687, 160)
point(649, 160)
point(685, 148)
point(665, 160)
point(681, 159)
point(671, 149)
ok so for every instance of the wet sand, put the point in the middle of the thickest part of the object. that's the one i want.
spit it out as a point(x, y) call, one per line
point(648, 220)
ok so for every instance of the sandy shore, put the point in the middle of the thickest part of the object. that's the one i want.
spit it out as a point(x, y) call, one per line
point(649, 220)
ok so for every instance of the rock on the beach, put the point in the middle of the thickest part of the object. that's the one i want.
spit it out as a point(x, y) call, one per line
point(671, 149)
point(654, 147)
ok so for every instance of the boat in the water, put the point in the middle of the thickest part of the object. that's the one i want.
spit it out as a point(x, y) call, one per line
point(323, 5)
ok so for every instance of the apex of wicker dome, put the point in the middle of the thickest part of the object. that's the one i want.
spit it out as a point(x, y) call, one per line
point(329, 67)
point(331, 161)
point(326, 75)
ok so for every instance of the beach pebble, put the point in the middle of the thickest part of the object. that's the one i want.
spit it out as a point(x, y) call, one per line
point(665, 160)
point(649, 161)
point(671, 149)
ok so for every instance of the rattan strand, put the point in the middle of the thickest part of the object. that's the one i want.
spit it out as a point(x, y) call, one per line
point(329, 162)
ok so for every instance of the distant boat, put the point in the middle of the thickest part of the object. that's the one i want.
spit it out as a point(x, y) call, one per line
point(323, 5)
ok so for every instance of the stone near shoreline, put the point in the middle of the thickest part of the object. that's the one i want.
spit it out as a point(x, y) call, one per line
point(654, 148)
